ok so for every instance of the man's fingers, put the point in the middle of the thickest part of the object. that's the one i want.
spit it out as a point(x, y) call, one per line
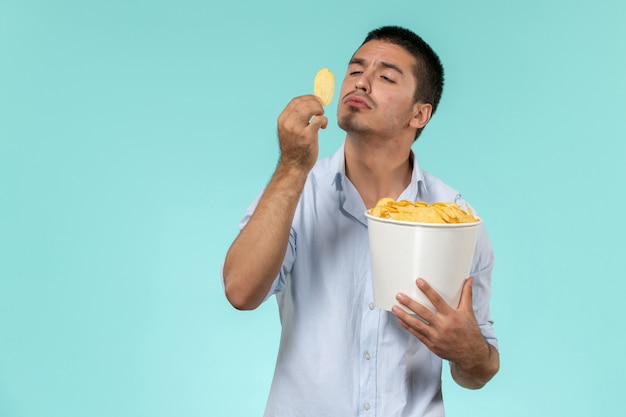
point(467, 295)
point(301, 110)
point(319, 122)
point(423, 312)
point(416, 325)
point(422, 332)
point(438, 302)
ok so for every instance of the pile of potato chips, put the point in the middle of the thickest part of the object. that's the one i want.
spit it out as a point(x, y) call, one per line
point(422, 212)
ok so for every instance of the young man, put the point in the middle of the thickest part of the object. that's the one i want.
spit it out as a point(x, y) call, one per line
point(305, 240)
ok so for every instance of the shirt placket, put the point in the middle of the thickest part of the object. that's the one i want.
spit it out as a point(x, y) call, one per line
point(369, 353)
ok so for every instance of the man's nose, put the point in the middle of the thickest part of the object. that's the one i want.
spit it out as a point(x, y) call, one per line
point(363, 83)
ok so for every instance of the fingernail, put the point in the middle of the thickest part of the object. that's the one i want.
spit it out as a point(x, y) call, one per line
point(420, 282)
point(400, 297)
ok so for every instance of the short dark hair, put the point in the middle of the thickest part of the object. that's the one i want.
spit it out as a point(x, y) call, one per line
point(428, 72)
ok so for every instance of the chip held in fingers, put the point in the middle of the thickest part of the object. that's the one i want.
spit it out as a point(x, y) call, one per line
point(324, 86)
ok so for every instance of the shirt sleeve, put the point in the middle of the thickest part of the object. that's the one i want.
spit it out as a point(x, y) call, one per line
point(482, 267)
point(290, 254)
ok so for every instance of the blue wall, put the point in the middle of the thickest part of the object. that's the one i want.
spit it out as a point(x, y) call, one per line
point(133, 135)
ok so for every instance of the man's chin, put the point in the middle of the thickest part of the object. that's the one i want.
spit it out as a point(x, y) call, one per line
point(350, 125)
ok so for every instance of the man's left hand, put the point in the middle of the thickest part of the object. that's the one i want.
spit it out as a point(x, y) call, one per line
point(450, 333)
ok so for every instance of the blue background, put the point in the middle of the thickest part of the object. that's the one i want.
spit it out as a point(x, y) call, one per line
point(133, 135)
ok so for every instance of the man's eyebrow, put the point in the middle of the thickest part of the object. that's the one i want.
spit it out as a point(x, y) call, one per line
point(357, 61)
point(391, 66)
point(361, 61)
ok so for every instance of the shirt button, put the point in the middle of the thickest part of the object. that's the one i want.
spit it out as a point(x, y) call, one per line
point(367, 406)
point(367, 356)
point(371, 306)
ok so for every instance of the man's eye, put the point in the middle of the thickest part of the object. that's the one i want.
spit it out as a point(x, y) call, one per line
point(387, 79)
point(355, 72)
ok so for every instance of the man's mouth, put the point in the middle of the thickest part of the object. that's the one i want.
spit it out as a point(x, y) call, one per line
point(357, 101)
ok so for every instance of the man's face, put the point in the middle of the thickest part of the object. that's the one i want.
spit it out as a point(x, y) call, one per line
point(377, 93)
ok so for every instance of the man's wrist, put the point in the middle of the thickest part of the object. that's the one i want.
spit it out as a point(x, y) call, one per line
point(480, 357)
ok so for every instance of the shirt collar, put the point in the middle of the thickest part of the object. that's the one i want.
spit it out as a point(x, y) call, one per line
point(416, 191)
point(350, 201)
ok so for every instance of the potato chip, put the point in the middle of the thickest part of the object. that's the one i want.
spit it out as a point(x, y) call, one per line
point(324, 86)
point(422, 212)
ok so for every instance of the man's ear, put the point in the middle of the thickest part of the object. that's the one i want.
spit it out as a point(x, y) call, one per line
point(421, 115)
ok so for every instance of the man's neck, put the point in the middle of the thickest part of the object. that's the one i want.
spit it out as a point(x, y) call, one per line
point(378, 169)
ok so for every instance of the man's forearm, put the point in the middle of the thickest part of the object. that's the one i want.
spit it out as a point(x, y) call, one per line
point(256, 255)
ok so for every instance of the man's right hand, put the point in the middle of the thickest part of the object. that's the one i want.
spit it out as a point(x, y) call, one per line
point(298, 127)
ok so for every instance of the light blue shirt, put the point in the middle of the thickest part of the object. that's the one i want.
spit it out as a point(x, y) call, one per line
point(339, 355)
